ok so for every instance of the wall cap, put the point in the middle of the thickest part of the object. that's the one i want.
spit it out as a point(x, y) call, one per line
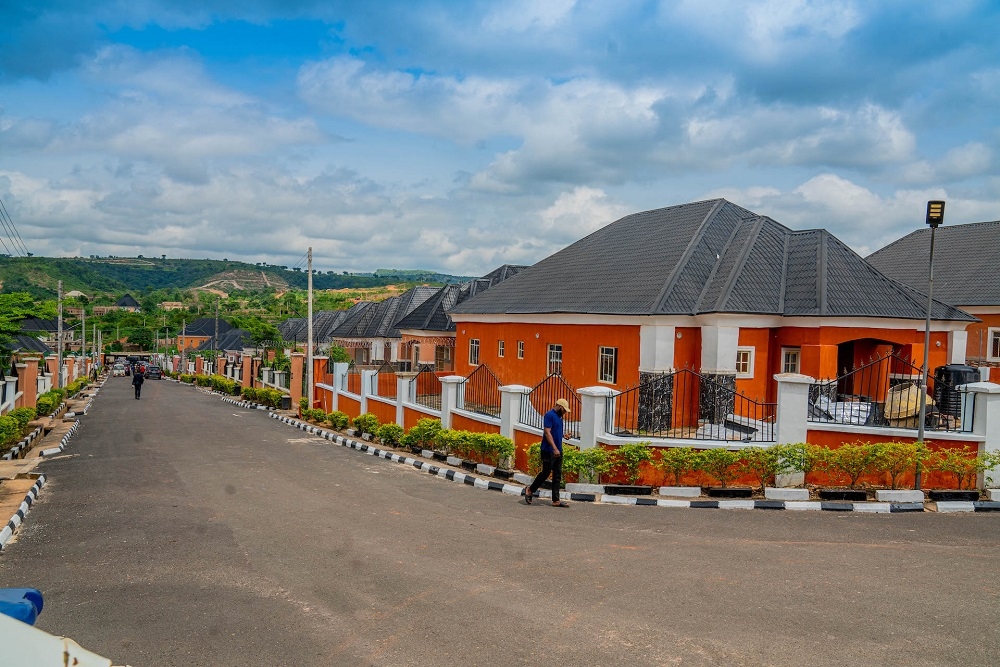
point(452, 379)
point(983, 387)
point(794, 378)
point(515, 389)
point(598, 391)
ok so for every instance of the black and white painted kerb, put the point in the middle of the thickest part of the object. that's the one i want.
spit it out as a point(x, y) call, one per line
point(244, 404)
point(15, 521)
point(62, 443)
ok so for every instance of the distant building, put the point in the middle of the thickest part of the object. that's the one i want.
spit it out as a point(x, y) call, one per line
point(171, 305)
point(128, 303)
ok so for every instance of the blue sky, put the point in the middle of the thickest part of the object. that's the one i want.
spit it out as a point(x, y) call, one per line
point(461, 135)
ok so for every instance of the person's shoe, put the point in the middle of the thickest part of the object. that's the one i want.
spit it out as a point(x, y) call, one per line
point(560, 503)
point(528, 496)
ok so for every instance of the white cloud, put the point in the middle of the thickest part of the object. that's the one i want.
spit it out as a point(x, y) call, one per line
point(524, 15)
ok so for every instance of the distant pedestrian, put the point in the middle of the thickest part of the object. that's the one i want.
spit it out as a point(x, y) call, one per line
point(137, 383)
point(551, 454)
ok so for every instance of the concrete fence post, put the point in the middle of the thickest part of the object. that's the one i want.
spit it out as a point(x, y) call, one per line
point(986, 421)
point(451, 386)
point(511, 397)
point(593, 414)
point(791, 421)
point(368, 378)
point(403, 388)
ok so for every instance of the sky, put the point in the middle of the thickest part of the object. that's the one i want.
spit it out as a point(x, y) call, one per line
point(458, 136)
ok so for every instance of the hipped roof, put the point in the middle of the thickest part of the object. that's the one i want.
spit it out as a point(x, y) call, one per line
point(706, 257)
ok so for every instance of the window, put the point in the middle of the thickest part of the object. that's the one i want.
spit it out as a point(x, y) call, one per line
point(790, 359)
point(744, 362)
point(995, 344)
point(442, 359)
point(555, 359)
point(520, 349)
point(500, 349)
point(608, 364)
point(473, 351)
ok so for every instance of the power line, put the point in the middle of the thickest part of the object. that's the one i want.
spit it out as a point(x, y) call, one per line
point(12, 233)
point(16, 233)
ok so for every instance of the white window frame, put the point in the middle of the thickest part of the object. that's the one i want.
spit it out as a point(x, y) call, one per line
point(500, 348)
point(751, 354)
point(554, 350)
point(991, 333)
point(785, 351)
point(520, 349)
point(606, 356)
point(473, 351)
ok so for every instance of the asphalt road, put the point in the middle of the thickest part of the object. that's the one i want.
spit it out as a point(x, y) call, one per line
point(182, 530)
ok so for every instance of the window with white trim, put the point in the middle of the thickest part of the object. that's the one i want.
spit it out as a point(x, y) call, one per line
point(473, 351)
point(500, 348)
point(790, 358)
point(555, 359)
point(520, 349)
point(744, 362)
point(608, 364)
point(994, 338)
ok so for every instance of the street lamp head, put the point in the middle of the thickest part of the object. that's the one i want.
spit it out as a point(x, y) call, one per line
point(935, 213)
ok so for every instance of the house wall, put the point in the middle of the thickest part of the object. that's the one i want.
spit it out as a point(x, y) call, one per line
point(190, 342)
point(978, 344)
point(580, 345)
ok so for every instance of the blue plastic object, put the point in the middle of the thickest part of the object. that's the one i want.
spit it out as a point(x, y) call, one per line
point(24, 604)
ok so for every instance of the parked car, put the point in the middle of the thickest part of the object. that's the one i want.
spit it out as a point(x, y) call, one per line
point(118, 370)
point(154, 373)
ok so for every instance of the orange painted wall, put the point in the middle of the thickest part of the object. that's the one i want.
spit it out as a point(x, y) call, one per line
point(463, 423)
point(687, 348)
point(349, 406)
point(930, 479)
point(819, 352)
point(522, 441)
point(580, 344)
point(387, 385)
point(760, 386)
point(323, 399)
point(978, 344)
point(386, 413)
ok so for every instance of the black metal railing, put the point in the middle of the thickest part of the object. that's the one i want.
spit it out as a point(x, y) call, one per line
point(685, 404)
point(425, 388)
point(885, 392)
point(480, 392)
point(542, 399)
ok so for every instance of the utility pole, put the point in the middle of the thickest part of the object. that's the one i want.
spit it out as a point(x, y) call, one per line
point(215, 340)
point(309, 332)
point(83, 339)
point(59, 339)
point(183, 349)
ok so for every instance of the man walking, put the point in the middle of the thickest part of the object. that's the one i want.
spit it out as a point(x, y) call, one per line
point(551, 454)
point(137, 383)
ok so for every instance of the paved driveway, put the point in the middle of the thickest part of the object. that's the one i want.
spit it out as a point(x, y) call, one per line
point(182, 530)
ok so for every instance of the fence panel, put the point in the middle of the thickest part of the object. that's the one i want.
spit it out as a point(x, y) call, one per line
point(425, 388)
point(684, 404)
point(543, 397)
point(481, 392)
point(384, 381)
point(885, 393)
point(352, 380)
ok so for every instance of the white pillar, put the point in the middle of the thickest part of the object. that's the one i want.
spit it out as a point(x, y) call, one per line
point(957, 342)
point(510, 407)
point(791, 418)
point(986, 419)
point(718, 349)
point(451, 385)
point(656, 348)
point(403, 387)
point(367, 380)
point(593, 414)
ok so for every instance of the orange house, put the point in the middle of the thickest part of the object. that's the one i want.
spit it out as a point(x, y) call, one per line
point(965, 267)
point(707, 286)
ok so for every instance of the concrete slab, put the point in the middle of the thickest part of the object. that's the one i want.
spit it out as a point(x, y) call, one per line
point(899, 496)
point(772, 493)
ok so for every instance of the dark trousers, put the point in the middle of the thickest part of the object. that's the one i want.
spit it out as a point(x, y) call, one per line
point(138, 388)
point(550, 464)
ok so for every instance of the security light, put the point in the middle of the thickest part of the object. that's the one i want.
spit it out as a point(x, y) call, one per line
point(935, 213)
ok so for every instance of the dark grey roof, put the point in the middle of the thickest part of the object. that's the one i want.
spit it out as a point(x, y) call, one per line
point(432, 314)
point(39, 324)
point(965, 262)
point(205, 326)
point(127, 302)
point(324, 323)
point(378, 319)
point(705, 257)
point(26, 343)
point(234, 339)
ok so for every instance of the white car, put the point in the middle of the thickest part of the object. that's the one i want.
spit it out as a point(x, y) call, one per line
point(118, 369)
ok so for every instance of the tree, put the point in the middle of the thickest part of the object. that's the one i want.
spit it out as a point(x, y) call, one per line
point(14, 308)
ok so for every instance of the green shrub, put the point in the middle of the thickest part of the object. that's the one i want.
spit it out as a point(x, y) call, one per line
point(764, 463)
point(535, 459)
point(23, 415)
point(304, 403)
point(896, 458)
point(48, 402)
point(852, 460)
point(224, 385)
point(491, 448)
point(964, 465)
point(390, 435)
point(720, 464)
point(338, 420)
point(10, 432)
point(423, 433)
point(803, 457)
point(366, 423)
point(677, 461)
point(628, 459)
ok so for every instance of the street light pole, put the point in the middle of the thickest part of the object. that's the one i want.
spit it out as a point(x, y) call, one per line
point(935, 216)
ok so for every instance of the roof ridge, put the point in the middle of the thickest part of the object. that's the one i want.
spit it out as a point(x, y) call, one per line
point(685, 257)
point(741, 263)
point(822, 273)
point(715, 269)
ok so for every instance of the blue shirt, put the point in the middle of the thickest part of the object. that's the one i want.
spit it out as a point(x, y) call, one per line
point(555, 423)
